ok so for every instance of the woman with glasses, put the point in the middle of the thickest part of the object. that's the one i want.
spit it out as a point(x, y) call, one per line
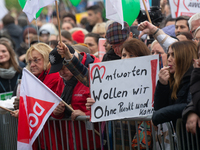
point(10, 71)
point(37, 58)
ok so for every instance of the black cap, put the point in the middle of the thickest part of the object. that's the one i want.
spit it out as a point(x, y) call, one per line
point(56, 60)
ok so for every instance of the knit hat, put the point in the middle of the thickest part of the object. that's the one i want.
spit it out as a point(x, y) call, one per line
point(115, 34)
point(56, 60)
point(78, 36)
point(48, 28)
point(29, 30)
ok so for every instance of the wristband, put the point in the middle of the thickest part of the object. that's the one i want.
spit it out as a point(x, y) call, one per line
point(156, 31)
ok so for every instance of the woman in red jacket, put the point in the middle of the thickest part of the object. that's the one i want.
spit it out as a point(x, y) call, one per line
point(37, 58)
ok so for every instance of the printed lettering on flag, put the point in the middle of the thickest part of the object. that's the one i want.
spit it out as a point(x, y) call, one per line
point(37, 102)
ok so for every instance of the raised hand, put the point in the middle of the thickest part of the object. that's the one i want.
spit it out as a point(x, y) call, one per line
point(146, 28)
point(164, 75)
point(64, 51)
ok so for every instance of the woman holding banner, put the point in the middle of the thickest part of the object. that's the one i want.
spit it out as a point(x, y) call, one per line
point(172, 90)
point(37, 58)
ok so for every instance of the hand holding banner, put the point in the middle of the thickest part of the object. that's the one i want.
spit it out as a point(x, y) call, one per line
point(37, 102)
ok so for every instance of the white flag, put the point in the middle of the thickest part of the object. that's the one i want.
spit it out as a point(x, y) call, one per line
point(146, 3)
point(33, 6)
point(114, 11)
point(3, 9)
point(37, 102)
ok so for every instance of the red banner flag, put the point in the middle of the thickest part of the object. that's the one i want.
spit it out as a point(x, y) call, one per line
point(37, 102)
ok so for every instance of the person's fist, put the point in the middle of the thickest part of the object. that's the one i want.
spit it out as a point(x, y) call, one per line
point(63, 51)
point(59, 109)
point(146, 28)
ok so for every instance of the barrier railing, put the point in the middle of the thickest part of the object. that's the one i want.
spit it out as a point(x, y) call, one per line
point(187, 141)
point(112, 135)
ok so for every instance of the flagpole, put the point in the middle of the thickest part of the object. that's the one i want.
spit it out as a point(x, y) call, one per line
point(6, 109)
point(146, 11)
point(58, 22)
point(68, 106)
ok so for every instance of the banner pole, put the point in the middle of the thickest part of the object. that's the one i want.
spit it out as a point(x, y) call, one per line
point(146, 11)
point(58, 21)
point(6, 109)
point(68, 106)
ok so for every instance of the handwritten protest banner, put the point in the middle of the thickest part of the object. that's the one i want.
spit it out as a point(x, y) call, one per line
point(123, 88)
point(184, 7)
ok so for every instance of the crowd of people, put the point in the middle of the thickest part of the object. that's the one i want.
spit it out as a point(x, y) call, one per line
point(62, 64)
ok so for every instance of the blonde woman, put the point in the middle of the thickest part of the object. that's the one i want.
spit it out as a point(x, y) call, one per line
point(37, 58)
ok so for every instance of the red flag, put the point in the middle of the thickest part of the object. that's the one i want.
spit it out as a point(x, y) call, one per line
point(37, 102)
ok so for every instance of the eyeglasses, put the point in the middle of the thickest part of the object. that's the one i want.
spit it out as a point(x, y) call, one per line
point(193, 31)
point(35, 60)
point(196, 39)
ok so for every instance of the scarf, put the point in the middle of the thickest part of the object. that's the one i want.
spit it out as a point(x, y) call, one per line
point(68, 90)
point(67, 93)
point(7, 73)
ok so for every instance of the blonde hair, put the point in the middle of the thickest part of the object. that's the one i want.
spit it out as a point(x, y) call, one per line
point(153, 43)
point(99, 28)
point(43, 49)
point(184, 53)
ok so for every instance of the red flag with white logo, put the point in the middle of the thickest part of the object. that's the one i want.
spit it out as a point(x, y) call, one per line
point(37, 102)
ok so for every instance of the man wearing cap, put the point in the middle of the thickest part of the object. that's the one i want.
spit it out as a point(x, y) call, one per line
point(116, 36)
point(73, 92)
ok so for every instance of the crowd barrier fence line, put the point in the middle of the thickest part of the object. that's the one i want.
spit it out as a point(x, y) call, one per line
point(117, 134)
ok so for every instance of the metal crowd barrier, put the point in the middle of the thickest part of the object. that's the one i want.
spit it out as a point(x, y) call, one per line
point(8, 132)
point(117, 135)
point(187, 141)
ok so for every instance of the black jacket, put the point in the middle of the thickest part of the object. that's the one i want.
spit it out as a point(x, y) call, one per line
point(167, 109)
point(194, 105)
point(7, 85)
point(110, 55)
point(16, 33)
